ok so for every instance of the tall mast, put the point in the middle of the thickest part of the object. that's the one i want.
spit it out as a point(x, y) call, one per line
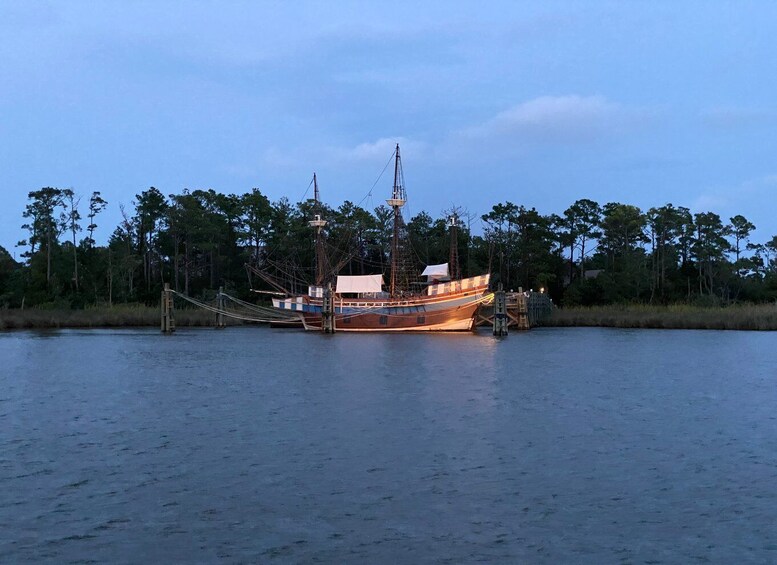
point(453, 258)
point(396, 202)
point(318, 224)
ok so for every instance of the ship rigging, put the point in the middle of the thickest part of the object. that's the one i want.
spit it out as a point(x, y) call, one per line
point(360, 303)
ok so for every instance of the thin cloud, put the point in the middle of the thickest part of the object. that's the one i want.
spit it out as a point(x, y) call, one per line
point(710, 202)
point(274, 157)
point(749, 194)
point(546, 119)
point(380, 149)
point(567, 119)
point(368, 152)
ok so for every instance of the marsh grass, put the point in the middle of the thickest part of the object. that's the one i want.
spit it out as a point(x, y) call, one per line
point(100, 317)
point(738, 317)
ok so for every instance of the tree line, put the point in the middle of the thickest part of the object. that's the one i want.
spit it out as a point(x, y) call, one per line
point(200, 240)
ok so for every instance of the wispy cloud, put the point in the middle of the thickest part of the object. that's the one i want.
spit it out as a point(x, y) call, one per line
point(710, 202)
point(750, 193)
point(375, 152)
point(549, 119)
point(283, 159)
point(378, 150)
point(568, 119)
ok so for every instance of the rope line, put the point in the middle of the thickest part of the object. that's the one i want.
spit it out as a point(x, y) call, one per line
point(271, 317)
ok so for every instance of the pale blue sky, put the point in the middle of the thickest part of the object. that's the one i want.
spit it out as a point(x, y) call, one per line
point(539, 103)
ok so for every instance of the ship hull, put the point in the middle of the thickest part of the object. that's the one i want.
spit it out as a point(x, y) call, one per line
point(459, 318)
point(446, 309)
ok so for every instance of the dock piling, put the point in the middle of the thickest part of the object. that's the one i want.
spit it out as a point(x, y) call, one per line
point(328, 311)
point(220, 323)
point(500, 312)
point(168, 315)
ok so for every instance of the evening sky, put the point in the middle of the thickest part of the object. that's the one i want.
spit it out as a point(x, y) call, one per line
point(538, 103)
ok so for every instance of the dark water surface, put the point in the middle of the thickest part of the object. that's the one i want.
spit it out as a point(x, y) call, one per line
point(253, 445)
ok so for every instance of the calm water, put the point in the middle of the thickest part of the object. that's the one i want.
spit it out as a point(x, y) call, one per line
point(257, 445)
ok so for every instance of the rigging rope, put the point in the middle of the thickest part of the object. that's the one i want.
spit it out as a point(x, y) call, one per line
point(249, 306)
point(306, 191)
point(369, 194)
point(274, 317)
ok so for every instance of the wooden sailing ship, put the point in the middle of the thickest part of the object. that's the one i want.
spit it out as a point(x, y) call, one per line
point(364, 304)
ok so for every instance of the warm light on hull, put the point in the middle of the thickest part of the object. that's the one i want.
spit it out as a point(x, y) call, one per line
point(460, 319)
point(446, 307)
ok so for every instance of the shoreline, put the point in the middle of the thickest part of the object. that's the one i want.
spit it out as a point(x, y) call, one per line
point(762, 317)
point(748, 317)
point(101, 317)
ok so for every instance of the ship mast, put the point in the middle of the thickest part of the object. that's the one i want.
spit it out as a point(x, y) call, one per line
point(318, 224)
point(397, 200)
point(453, 257)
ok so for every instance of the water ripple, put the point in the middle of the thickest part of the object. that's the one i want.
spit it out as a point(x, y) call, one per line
point(255, 445)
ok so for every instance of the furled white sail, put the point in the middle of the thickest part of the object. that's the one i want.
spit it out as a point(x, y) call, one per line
point(360, 283)
point(436, 271)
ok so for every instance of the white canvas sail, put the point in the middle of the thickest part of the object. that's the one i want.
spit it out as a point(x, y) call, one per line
point(359, 283)
point(436, 271)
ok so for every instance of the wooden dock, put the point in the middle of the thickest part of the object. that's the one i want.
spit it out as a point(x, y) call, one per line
point(524, 310)
point(517, 312)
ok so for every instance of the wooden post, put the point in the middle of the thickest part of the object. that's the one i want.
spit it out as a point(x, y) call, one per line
point(168, 318)
point(328, 311)
point(220, 324)
point(520, 314)
point(540, 307)
point(500, 312)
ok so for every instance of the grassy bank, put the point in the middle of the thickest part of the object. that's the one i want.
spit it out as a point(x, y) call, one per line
point(745, 317)
point(102, 317)
point(741, 317)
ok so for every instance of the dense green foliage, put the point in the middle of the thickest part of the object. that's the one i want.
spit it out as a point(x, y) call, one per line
point(200, 240)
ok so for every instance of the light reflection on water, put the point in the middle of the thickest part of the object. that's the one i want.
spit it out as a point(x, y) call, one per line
point(252, 444)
